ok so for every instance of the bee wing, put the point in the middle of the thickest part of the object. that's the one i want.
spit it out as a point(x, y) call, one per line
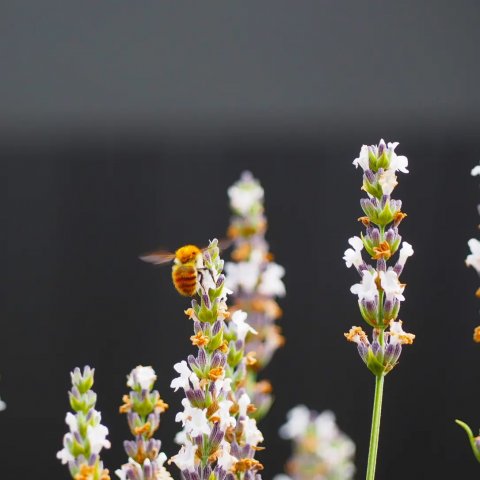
point(224, 243)
point(158, 257)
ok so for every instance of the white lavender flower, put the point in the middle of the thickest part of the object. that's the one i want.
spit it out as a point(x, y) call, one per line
point(256, 281)
point(380, 291)
point(143, 407)
point(320, 450)
point(473, 259)
point(219, 440)
point(87, 436)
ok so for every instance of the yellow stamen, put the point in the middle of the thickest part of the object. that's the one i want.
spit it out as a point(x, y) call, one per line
point(215, 373)
point(127, 404)
point(143, 429)
point(161, 405)
point(250, 359)
point(365, 221)
point(200, 339)
point(264, 386)
point(398, 217)
point(382, 251)
point(247, 464)
point(476, 334)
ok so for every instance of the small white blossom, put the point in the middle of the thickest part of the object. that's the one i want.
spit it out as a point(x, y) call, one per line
point(326, 426)
point(367, 289)
point(243, 403)
point(64, 455)
point(194, 420)
point(298, 419)
point(97, 437)
point(391, 285)
point(245, 194)
point(253, 436)
point(243, 275)
point(362, 160)
point(223, 413)
point(183, 380)
point(397, 162)
point(131, 465)
point(398, 335)
point(405, 252)
point(143, 376)
point(240, 326)
point(3, 405)
point(223, 384)
point(354, 256)
point(72, 422)
point(388, 181)
point(181, 437)
point(185, 459)
point(473, 260)
point(225, 459)
point(271, 283)
point(475, 171)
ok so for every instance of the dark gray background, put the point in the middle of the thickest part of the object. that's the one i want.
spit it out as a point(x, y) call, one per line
point(121, 126)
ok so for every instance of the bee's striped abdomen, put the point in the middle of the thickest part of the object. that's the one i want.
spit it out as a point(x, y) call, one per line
point(185, 279)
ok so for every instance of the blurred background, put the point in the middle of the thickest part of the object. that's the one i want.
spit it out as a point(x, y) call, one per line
point(122, 124)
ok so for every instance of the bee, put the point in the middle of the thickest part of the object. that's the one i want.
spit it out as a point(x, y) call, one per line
point(187, 266)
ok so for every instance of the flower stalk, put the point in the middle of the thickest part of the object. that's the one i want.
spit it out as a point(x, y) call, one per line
point(256, 282)
point(380, 291)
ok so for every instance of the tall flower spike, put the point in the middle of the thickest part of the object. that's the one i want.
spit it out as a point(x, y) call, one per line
point(320, 450)
point(87, 436)
point(379, 291)
point(256, 282)
point(219, 439)
point(473, 260)
point(143, 407)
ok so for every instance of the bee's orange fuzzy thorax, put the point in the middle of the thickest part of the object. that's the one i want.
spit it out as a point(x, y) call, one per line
point(187, 253)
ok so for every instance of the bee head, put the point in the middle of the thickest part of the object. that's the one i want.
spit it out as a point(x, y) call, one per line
point(187, 254)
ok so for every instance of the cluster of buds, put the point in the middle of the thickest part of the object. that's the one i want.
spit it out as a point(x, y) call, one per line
point(219, 438)
point(87, 436)
point(380, 291)
point(473, 259)
point(320, 450)
point(256, 281)
point(143, 407)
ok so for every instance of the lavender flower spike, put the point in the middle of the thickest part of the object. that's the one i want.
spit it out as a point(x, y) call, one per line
point(318, 446)
point(87, 436)
point(219, 438)
point(473, 260)
point(256, 282)
point(143, 407)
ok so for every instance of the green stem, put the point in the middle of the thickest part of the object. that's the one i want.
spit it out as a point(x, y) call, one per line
point(375, 433)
